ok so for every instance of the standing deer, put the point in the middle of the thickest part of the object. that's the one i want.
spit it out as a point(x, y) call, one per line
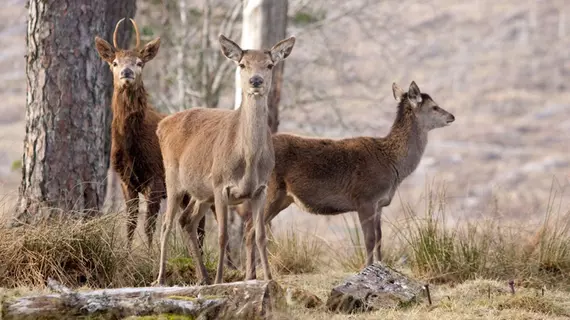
point(329, 177)
point(222, 156)
point(135, 152)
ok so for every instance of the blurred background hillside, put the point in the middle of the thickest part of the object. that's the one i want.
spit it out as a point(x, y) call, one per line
point(501, 67)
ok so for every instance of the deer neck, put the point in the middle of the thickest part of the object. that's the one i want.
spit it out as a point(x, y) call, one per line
point(129, 105)
point(408, 143)
point(253, 127)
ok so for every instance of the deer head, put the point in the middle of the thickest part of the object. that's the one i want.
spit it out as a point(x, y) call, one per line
point(256, 65)
point(427, 112)
point(126, 64)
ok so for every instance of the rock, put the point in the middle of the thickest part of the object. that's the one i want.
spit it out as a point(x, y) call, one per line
point(300, 297)
point(239, 300)
point(377, 286)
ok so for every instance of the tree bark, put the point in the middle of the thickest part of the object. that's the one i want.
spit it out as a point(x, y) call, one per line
point(239, 300)
point(67, 143)
point(375, 287)
point(264, 24)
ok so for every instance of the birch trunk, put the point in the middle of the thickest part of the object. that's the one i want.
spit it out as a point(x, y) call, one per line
point(264, 24)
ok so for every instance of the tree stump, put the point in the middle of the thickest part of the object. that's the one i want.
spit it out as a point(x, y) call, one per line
point(377, 286)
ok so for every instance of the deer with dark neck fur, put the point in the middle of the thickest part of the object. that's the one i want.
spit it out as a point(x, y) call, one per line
point(222, 157)
point(329, 177)
point(135, 153)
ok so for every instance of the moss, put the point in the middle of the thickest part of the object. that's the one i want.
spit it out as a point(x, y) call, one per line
point(186, 298)
point(304, 18)
point(16, 165)
point(147, 31)
point(164, 316)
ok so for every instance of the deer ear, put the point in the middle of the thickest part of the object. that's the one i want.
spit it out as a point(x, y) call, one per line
point(150, 50)
point(398, 92)
point(230, 49)
point(282, 49)
point(105, 50)
point(414, 93)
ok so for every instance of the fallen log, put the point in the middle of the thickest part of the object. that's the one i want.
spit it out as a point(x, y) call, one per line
point(253, 299)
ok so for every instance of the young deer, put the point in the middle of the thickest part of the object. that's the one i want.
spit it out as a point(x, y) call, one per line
point(222, 156)
point(329, 177)
point(135, 153)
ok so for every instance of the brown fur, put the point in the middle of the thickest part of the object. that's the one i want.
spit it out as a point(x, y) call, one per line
point(222, 156)
point(329, 177)
point(135, 152)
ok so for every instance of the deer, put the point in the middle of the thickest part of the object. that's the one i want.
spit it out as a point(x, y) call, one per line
point(222, 156)
point(329, 177)
point(135, 152)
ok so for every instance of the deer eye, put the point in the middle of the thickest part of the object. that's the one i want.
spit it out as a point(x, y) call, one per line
point(114, 63)
point(139, 64)
point(270, 66)
point(435, 108)
point(241, 65)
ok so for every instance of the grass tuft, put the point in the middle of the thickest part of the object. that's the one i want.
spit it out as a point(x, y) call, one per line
point(295, 254)
point(91, 253)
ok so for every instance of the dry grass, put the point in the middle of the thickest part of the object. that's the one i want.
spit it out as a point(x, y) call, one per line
point(89, 253)
point(454, 258)
point(293, 253)
point(532, 255)
point(468, 300)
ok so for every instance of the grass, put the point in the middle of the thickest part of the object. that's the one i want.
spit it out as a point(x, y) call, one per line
point(292, 253)
point(90, 253)
point(466, 300)
point(454, 257)
point(532, 255)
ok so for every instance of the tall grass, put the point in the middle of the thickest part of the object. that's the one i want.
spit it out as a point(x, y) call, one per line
point(293, 253)
point(94, 252)
point(534, 255)
point(90, 253)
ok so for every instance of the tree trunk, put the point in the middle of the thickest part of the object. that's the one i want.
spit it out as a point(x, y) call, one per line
point(264, 24)
point(67, 143)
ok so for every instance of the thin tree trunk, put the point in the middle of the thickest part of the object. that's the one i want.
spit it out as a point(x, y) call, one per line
point(66, 148)
point(264, 24)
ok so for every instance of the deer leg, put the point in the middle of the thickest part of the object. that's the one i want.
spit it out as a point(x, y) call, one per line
point(366, 216)
point(378, 234)
point(258, 218)
point(250, 272)
point(275, 202)
point(221, 218)
point(186, 199)
point(132, 204)
point(190, 219)
point(153, 197)
point(201, 233)
point(235, 236)
point(172, 203)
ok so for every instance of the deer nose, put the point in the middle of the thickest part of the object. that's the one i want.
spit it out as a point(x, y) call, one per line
point(127, 73)
point(256, 81)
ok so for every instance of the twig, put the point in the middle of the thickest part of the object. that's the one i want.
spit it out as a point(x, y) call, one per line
point(426, 286)
point(512, 285)
point(489, 292)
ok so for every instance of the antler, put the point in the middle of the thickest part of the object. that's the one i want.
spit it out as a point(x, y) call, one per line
point(136, 33)
point(115, 34)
